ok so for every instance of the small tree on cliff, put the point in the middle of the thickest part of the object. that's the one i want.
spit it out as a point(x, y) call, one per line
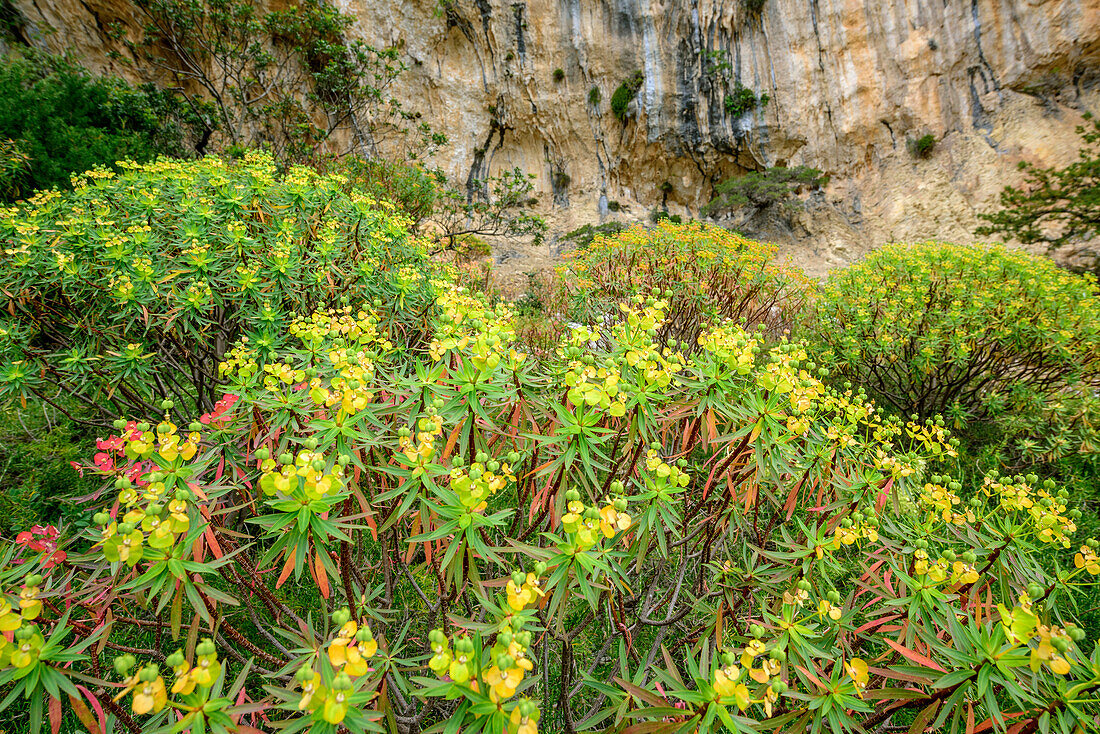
point(498, 207)
point(759, 190)
point(289, 80)
point(1056, 206)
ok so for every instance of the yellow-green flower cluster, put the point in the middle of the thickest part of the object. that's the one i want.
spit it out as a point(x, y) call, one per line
point(467, 322)
point(584, 525)
point(306, 474)
point(1049, 513)
point(476, 483)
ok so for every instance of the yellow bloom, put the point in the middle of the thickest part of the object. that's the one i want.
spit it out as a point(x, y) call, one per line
point(1086, 559)
point(150, 697)
point(857, 670)
point(725, 680)
point(10, 620)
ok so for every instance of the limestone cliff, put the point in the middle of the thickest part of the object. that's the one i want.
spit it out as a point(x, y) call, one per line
point(848, 83)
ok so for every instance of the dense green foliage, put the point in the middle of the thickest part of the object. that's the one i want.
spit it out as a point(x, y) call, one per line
point(582, 236)
point(130, 288)
point(618, 534)
point(625, 93)
point(742, 100)
point(37, 448)
point(762, 189)
point(411, 188)
point(62, 120)
point(969, 332)
point(1056, 206)
point(288, 78)
point(923, 146)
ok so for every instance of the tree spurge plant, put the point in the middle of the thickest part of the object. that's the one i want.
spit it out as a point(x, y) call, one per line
point(624, 536)
point(707, 273)
point(970, 332)
point(129, 289)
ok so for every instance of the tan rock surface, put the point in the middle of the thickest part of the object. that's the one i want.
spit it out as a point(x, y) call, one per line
point(996, 81)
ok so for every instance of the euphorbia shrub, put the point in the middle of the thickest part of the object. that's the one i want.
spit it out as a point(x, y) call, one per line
point(967, 331)
point(708, 274)
point(620, 537)
point(129, 289)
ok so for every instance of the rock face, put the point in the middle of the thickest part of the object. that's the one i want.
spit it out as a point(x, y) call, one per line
point(849, 84)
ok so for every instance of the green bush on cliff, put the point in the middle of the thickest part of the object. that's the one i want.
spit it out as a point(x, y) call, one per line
point(625, 92)
point(743, 100)
point(762, 189)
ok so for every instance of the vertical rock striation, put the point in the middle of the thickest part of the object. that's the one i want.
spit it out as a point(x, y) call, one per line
point(849, 82)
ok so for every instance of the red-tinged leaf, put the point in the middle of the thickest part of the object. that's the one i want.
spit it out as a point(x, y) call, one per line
point(198, 549)
point(813, 678)
point(969, 718)
point(750, 495)
point(898, 694)
point(321, 575)
point(640, 693)
point(792, 498)
point(538, 468)
point(876, 622)
point(102, 717)
point(54, 709)
point(198, 492)
point(373, 526)
point(85, 716)
point(687, 434)
point(711, 432)
point(220, 470)
point(989, 723)
point(287, 567)
point(897, 675)
point(453, 439)
point(212, 541)
point(880, 502)
point(652, 727)
point(732, 488)
point(914, 656)
point(710, 480)
point(414, 529)
point(920, 723)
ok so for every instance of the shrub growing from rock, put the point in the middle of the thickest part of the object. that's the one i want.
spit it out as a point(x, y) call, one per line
point(624, 93)
point(759, 190)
